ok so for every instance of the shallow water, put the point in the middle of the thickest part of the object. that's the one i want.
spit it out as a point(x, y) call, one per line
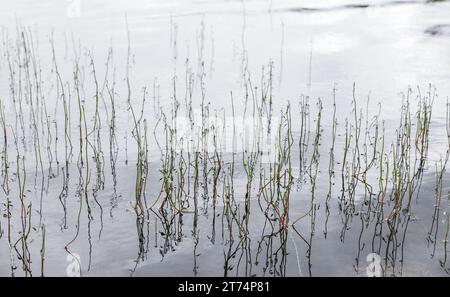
point(383, 47)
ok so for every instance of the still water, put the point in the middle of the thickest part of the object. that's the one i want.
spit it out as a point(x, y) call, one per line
point(373, 51)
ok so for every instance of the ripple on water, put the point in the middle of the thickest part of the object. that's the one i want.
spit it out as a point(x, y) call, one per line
point(438, 30)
